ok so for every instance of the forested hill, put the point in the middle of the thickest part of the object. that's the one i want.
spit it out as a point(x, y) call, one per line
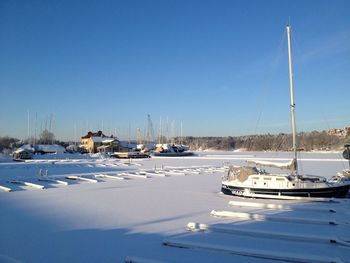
point(307, 141)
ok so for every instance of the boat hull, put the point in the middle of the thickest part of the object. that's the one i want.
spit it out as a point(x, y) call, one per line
point(329, 192)
point(130, 155)
point(172, 154)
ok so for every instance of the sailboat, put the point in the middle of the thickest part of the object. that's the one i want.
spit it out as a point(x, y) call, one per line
point(252, 181)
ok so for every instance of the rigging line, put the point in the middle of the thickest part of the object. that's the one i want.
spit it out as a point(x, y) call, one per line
point(265, 87)
point(296, 47)
point(273, 65)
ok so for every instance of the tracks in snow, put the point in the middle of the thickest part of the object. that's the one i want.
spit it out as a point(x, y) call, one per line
point(281, 243)
point(271, 254)
point(235, 230)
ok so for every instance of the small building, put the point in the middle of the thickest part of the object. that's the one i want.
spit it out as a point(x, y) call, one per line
point(98, 142)
point(335, 131)
point(347, 130)
point(339, 132)
point(49, 149)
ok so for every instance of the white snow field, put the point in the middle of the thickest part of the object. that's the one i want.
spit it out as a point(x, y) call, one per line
point(73, 208)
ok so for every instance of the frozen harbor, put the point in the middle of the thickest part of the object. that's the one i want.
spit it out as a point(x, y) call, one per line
point(69, 209)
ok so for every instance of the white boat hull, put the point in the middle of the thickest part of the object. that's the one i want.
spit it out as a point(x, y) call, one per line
point(340, 191)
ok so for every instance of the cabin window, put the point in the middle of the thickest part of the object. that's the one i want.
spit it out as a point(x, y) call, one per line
point(279, 179)
point(267, 178)
point(256, 178)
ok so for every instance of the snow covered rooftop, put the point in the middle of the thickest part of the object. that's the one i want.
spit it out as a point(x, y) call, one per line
point(108, 210)
point(26, 147)
point(50, 148)
point(103, 139)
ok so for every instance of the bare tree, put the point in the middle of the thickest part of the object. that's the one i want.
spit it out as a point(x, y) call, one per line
point(46, 137)
point(7, 142)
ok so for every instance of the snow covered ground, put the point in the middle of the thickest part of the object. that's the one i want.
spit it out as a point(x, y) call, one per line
point(106, 210)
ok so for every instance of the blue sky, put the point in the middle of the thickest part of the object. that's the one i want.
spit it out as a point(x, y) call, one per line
point(219, 67)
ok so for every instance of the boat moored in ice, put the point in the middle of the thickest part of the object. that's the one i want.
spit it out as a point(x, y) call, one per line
point(171, 150)
point(252, 181)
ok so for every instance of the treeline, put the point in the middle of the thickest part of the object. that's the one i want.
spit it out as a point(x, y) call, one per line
point(307, 141)
point(9, 143)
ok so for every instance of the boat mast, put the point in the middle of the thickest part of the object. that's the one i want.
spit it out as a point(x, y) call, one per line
point(292, 104)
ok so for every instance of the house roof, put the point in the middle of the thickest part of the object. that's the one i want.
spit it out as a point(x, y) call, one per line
point(93, 134)
point(102, 139)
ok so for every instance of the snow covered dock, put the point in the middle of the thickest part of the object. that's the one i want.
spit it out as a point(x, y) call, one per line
point(162, 210)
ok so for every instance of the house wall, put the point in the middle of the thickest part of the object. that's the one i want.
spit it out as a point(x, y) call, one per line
point(94, 146)
point(88, 144)
point(91, 146)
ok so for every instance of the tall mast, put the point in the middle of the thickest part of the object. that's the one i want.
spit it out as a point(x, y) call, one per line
point(292, 104)
point(150, 131)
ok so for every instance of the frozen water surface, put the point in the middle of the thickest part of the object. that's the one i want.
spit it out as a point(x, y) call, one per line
point(98, 218)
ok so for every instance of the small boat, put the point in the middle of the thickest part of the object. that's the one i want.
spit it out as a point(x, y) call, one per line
point(171, 150)
point(252, 181)
point(20, 155)
point(130, 155)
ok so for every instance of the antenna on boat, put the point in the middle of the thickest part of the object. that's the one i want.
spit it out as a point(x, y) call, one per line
point(292, 104)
